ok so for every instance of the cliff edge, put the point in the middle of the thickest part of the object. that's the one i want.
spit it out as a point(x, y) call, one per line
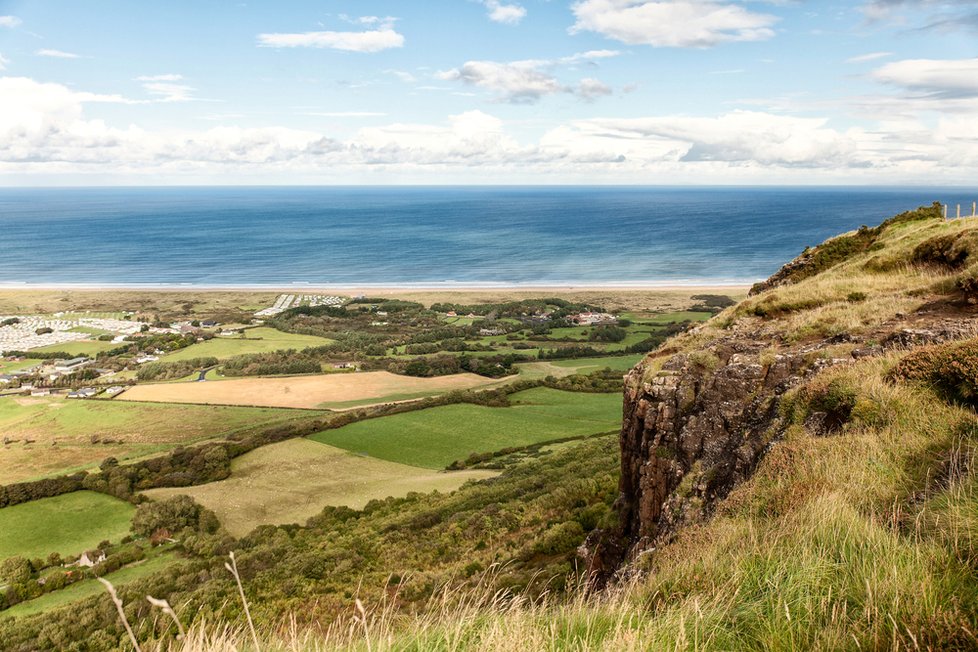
point(702, 412)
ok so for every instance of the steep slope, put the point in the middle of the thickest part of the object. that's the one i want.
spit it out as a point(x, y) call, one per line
point(701, 413)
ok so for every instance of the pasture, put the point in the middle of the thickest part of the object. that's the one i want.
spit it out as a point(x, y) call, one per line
point(314, 391)
point(290, 481)
point(53, 435)
point(68, 524)
point(88, 348)
point(560, 368)
point(436, 437)
point(255, 340)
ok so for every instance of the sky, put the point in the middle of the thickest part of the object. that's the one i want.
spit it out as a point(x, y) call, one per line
point(875, 92)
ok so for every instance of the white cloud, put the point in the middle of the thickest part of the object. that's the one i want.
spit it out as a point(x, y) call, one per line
point(383, 37)
point(935, 78)
point(590, 89)
point(44, 129)
point(10, 21)
point(519, 82)
point(56, 54)
point(169, 77)
point(871, 56)
point(672, 23)
point(3, 62)
point(345, 114)
point(939, 15)
point(527, 81)
point(510, 14)
point(165, 88)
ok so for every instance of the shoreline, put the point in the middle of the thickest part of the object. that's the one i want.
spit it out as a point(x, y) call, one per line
point(308, 288)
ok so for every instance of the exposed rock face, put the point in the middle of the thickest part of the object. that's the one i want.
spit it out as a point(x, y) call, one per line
point(699, 426)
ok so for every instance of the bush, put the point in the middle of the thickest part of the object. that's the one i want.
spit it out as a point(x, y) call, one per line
point(951, 369)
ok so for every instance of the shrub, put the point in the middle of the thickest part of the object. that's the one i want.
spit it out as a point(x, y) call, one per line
point(951, 251)
point(951, 369)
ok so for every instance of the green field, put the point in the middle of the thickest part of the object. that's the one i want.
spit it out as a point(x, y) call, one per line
point(293, 480)
point(9, 366)
point(85, 588)
point(80, 347)
point(53, 435)
point(436, 437)
point(256, 340)
point(560, 368)
point(69, 524)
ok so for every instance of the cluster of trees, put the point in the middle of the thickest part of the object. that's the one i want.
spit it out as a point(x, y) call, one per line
point(25, 579)
point(607, 333)
point(171, 370)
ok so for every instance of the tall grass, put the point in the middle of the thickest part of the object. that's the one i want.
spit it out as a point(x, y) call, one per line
point(861, 540)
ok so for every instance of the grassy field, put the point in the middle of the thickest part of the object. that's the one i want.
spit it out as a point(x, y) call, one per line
point(303, 391)
point(86, 588)
point(560, 368)
point(9, 366)
point(290, 481)
point(45, 436)
point(256, 340)
point(79, 347)
point(69, 524)
point(436, 437)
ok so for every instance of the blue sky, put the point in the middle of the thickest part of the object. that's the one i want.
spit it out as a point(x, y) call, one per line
point(489, 91)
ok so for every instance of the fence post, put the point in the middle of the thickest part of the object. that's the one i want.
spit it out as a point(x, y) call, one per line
point(945, 212)
point(959, 211)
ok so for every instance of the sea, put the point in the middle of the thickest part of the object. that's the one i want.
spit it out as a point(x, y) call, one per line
point(287, 237)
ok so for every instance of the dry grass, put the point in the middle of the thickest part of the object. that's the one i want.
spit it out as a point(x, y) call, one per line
point(291, 481)
point(301, 391)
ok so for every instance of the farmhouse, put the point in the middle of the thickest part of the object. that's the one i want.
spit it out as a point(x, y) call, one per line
point(6, 379)
point(115, 390)
point(492, 331)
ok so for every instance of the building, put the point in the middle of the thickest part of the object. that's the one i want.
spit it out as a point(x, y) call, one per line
point(593, 318)
point(115, 390)
point(68, 366)
point(6, 379)
point(41, 391)
point(84, 392)
point(492, 331)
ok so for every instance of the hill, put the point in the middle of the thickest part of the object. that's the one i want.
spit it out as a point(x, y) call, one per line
point(795, 473)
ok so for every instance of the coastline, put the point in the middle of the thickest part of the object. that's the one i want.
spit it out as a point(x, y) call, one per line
point(307, 288)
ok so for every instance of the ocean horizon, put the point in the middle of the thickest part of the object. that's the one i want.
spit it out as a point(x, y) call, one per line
point(307, 237)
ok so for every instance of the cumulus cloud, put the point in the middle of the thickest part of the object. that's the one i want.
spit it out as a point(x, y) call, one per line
point(529, 80)
point(933, 78)
point(10, 21)
point(383, 36)
point(672, 23)
point(3, 62)
point(56, 54)
point(510, 14)
point(46, 127)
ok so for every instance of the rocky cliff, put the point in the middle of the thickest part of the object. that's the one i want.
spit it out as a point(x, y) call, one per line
point(701, 413)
